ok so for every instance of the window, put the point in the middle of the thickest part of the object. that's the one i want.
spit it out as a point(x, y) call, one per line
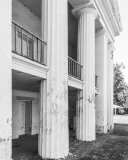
point(25, 44)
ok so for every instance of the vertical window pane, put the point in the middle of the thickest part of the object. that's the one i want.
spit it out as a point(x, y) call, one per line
point(35, 48)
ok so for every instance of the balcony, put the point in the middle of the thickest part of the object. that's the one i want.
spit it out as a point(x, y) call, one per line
point(27, 45)
point(74, 68)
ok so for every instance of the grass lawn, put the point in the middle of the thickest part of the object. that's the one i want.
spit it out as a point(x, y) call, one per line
point(112, 146)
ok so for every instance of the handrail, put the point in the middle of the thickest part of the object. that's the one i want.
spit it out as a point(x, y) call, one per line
point(74, 68)
point(28, 45)
point(28, 31)
point(75, 61)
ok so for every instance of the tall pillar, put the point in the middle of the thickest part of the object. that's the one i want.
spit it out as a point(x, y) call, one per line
point(110, 111)
point(5, 81)
point(54, 136)
point(86, 51)
point(101, 72)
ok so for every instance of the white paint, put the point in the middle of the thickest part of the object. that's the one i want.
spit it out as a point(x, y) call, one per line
point(85, 115)
point(15, 118)
point(54, 134)
point(73, 82)
point(35, 117)
point(42, 124)
point(18, 113)
point(53, 137)
point(101, 72)
point(5, 81)
point(27, 66)
point(110, 83)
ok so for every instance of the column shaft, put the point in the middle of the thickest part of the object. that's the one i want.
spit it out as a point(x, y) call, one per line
point(86, 51)
point(55, 137)
point(101, 72)
point(110, 88)
point(5, 81)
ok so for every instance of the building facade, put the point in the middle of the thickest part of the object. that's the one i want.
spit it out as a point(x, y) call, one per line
point(56, 67)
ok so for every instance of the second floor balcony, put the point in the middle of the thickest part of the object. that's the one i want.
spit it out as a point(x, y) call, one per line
point(27, 44)
point(74, 68)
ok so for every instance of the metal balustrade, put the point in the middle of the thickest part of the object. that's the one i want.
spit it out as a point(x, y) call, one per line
point(27, 44)
point(74, 68)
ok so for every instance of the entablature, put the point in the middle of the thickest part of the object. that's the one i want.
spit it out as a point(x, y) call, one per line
point(108, 17)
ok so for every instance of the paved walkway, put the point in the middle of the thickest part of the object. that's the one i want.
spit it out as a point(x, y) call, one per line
point(121, 119)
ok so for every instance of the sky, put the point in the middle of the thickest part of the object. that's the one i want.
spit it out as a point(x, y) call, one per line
point(121, 42)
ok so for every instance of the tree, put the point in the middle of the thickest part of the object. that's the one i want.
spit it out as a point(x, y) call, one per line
point(120, 86)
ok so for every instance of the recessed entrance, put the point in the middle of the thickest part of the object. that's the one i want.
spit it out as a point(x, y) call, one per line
point(72, 96)
point(25, 117)
point(25, 114)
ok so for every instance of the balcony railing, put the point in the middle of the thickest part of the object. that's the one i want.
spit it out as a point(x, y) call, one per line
point(74, 68)
point(27, 44)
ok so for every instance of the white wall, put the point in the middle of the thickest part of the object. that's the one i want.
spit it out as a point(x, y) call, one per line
point(35, 117)
point(27, 19)
point(5, 81)
point(15, 112)
point(15, 118)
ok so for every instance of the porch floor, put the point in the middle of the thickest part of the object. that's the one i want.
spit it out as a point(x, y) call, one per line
point(26, 146)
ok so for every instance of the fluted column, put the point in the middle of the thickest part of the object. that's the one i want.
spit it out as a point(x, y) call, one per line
point(5, 81)
point(86, 53)
point(55, 137)
point(101, 72)
point(110, 84)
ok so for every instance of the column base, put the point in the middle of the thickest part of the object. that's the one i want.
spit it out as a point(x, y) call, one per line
point(110, 127)
point(101, 129)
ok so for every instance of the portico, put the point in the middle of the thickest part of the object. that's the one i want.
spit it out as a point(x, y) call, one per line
point(60, 50)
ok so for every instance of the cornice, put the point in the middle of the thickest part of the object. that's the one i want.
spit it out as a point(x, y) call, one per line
point(29, 64)
point(73, 82)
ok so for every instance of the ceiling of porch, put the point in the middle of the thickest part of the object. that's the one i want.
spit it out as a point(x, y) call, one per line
point(35, 7)
point(26, 82)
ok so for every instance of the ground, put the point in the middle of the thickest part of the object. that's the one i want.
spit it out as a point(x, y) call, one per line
point(111, 146)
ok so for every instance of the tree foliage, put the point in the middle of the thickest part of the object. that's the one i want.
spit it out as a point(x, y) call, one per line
point(120, 86)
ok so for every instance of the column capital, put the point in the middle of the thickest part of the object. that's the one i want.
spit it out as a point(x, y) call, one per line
point(78, 12)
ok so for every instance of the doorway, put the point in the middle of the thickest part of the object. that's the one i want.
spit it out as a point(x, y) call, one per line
point(25, 117)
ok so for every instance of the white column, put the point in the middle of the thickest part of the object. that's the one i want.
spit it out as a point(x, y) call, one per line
point(86, 50)
point(5, 81)
point(110, 86)
point(55, 137)
point(101, 72)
